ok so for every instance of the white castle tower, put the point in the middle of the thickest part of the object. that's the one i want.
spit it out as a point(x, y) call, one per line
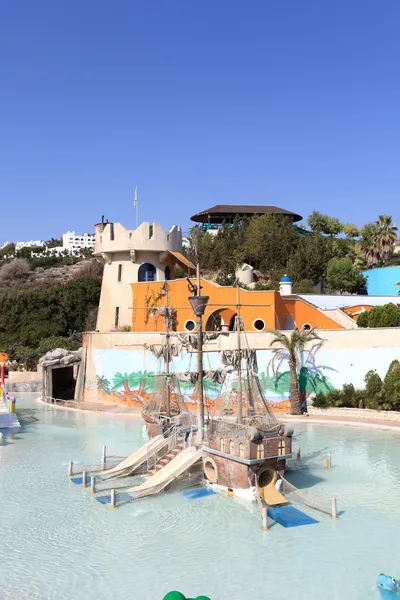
point(148, 253)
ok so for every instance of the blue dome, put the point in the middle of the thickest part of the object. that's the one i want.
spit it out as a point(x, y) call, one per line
point(285, 279)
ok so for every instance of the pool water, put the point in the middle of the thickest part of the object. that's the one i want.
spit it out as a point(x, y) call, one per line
point(58, 542)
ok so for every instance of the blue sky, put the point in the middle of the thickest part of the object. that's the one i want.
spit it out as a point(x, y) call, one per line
point(292, 103)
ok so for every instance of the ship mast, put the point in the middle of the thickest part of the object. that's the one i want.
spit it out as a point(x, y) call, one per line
point(167, 348)
point(238, 332)
point(200, 361)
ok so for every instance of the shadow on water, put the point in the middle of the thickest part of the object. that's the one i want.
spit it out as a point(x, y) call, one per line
point(27, 416)
point(321, 453)
point(303, 479)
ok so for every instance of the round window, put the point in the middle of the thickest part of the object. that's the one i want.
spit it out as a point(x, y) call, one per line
point(190, 325)
point(259, 325)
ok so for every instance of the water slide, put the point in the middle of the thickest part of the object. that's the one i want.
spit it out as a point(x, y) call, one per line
point(178, 465)
point(271, 495)
point(134, 461)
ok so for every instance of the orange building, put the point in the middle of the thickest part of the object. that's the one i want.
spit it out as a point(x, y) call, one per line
point(260, 310)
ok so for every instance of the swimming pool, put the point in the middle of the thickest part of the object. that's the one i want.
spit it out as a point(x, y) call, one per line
point(59, 543)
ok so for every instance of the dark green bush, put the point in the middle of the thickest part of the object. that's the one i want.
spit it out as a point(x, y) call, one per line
point(36, 319)
point(387, 315)
point(360, 399)
point(334, 398)
point(373, 390)
point(348, 399)
point(320, 401)
point(391, 386)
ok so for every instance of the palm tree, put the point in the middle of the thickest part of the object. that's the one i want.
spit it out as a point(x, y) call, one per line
point(385, 237)
point(289, 350)
point(368, 245)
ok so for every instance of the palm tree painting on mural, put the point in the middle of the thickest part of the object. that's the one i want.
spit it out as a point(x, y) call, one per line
point(123, 380)
point(103, 385)
point(141, 380)
point(290, 349)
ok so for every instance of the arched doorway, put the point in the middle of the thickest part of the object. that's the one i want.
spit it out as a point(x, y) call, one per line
point(147, 272)
point(218, 318)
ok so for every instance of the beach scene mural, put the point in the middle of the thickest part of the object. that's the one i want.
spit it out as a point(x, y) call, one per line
point(128, 377)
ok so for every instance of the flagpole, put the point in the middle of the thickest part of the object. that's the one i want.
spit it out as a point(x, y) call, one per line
point(135, 203)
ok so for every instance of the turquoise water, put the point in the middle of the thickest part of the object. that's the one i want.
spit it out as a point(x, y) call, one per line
point(58, 542)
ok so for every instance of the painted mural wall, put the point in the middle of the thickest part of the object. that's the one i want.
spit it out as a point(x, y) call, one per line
point(126, 377)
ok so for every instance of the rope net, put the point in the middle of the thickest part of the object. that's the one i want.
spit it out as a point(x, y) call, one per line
point(296, 495)
point(241, 386)
point(158, 402)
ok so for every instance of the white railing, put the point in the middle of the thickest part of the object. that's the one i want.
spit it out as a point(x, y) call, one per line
point(169, 443)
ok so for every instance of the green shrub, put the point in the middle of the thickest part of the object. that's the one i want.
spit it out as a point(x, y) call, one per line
point(387, 315)
point(362, 320)
point(304, 286)
point(334, 398)
point(179, 273)
point(360, 399)
point(391, 386)
point(348, 396)
point(320, 401)
point(373, 389)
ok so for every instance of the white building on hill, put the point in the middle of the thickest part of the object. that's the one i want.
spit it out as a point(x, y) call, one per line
point(31, 244)
point(74, 243)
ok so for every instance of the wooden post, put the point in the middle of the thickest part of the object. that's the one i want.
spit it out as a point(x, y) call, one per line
point(329, 465)
point(84, 478)
point(334, 508)
point(70, 468)
point(264, 519)
point(93, 484)
point(113, 502)
point(104, 456)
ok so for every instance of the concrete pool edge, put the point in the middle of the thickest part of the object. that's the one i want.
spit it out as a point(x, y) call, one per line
point(134, 413)
point(350, 422)
point(285, 418)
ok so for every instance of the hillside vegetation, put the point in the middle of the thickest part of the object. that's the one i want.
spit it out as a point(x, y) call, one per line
point(46, 308)
point(328, 250)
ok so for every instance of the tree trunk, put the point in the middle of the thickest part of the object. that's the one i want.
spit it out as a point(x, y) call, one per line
point(294, 389)
point(126, 387)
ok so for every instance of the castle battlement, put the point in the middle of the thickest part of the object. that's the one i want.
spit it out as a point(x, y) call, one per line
point(113, 237)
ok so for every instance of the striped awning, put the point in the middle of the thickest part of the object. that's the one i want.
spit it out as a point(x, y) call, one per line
point(183, 261)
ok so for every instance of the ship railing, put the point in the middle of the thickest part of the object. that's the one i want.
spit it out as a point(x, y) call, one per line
point(170, 442)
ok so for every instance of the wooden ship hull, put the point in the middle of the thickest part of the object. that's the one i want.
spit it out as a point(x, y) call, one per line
point(238, 466)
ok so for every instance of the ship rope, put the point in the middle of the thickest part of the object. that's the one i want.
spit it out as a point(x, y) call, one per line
point(296, 495)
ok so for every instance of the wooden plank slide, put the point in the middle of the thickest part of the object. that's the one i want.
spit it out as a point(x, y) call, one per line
point(271, 495)
point(137, 459)
point(178, 465)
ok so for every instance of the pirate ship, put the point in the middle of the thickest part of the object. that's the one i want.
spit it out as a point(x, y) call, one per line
point(244, 448)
